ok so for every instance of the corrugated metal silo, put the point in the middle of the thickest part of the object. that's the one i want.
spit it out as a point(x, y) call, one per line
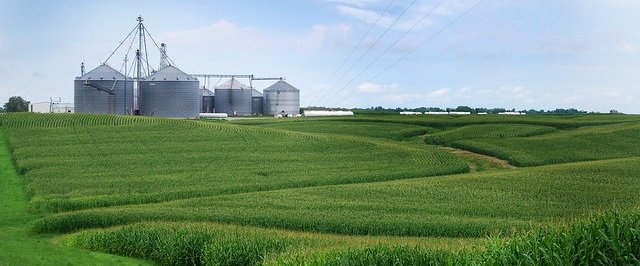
point(233, 98)
point(256, 102)
point(103, 90)
point(170, 93)
point(281, 98)
point(207, 101)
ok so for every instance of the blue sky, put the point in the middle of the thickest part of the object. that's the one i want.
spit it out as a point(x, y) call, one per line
point(519, 54)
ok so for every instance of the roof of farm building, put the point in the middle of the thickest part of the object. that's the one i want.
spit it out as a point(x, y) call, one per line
point(207, 92)
point(233, 84)
point(101, 73)
point(281, 85)
point(255, 93)
point(170, 73)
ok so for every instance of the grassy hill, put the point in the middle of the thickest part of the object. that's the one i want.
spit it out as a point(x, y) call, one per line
point(85, 166)
point(321, 190)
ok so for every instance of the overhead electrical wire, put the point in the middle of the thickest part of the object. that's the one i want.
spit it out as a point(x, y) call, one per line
point(427, 40)
point(128, 51)
point(431, 37)
point(393, 45)
point(146, 53)
point(355, 47)
point(371, 46)
point(143, 59)
point(157, 46)
point(125, 38)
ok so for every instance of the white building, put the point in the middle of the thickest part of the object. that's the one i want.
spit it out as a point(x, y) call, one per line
point(51, 107)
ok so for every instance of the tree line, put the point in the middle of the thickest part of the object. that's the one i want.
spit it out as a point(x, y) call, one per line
point(15, 104)
point(380, 109)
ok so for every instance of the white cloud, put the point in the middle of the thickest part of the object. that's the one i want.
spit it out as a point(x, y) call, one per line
point(360, 3)
point(592, 96)
point(365, 15)
point(413, 19)
point(439, 93)
point(370, 87)
point(505, 94)
point(325, 36)
point(561, 44)
point(626, 47)
point(222, 31)
point(401, 98)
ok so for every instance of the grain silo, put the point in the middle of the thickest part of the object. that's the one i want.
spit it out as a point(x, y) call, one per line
point(233, 98)
point(169, 92)
point(281, 99)
point(103, 90)
point(207, 101)
point(256, 102)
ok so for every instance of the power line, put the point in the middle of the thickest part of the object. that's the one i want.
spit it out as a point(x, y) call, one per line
point(125, 38)
point(431, 37)
point(157, 46)
point(393, 45)
point(346, 59)
point(371, 46)
point(128, 51)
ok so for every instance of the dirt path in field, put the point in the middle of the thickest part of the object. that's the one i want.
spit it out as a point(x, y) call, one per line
point(474, 160)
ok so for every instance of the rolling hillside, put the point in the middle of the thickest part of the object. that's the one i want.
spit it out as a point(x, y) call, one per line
point(320, 190)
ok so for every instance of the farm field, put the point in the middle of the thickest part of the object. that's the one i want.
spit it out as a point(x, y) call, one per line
point(321, 190)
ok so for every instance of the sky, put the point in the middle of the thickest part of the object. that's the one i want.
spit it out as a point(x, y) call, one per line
point(522, 54)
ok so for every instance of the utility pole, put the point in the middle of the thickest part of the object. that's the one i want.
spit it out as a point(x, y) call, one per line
point(136, 92)
point(126, 111)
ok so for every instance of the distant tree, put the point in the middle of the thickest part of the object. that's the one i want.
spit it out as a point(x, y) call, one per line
point(464, 109)
point(481, 110)
point(16, 104)
point(497, 110)
point(1, 109)
point(613, 111)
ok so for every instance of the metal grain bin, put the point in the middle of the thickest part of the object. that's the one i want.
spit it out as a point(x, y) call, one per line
point(103, 90)
point(170, 93)
point(207, 101)
point(256, 102)
point(281, 98)
point(233, 98)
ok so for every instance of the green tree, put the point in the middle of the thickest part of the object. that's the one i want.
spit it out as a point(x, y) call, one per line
point(16, 104)
point(464, 109)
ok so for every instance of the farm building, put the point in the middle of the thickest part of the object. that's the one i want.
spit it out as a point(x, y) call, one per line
point(233, 97)
point(170, 93)
point(281, 99)
point(103, 90)
point(51, 107)
point(207, 101)
point(257, 102)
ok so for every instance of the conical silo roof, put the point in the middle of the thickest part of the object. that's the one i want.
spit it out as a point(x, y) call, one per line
point(170, 73)
point(233, 84)
point(207, 92)
point(281, 85)
point(102, 72)
point(255, 93)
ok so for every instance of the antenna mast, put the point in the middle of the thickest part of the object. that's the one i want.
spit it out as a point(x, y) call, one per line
point(138, 61)
point(163, 56)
